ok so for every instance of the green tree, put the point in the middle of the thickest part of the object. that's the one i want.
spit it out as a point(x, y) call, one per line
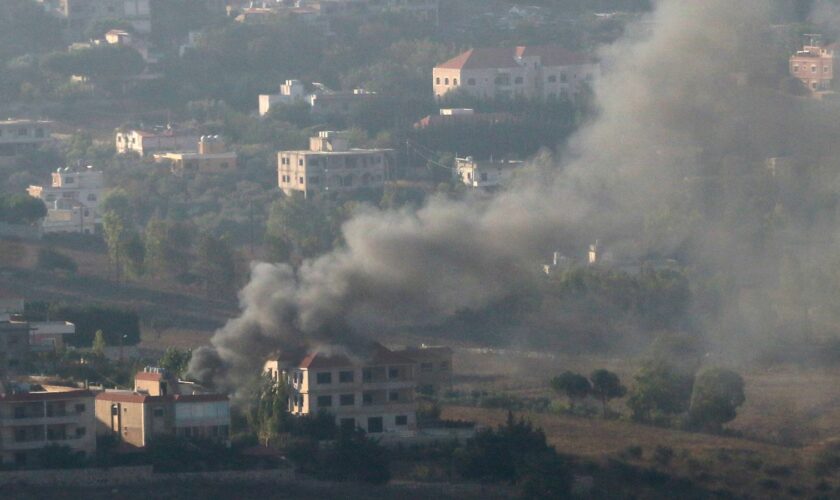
point(176, 361)
point(134, 252)
point(52, 260)
point(116, 234)
point(215, 264)
point(21, 209)
point(606, 386)
point(99, 345)
point(298, 228)
point(167, 248)
point(717, 394)
point(660, 390)
point(574, 386)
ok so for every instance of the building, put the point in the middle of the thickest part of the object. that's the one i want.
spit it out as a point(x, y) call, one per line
point(211, 158)
point(33, 417)
point(161, 405)
point(322, 102)
point(330, 166)
point(462, 116)
point(14, 345)
point(126, 39)
point(80, 14)
point(536, 72)
point(72, 200)
point(157, 140)
point(21, 137)
point(814, 65)
point(485, 174)
point(373, 391)
point(49, 336)
point(432, 367)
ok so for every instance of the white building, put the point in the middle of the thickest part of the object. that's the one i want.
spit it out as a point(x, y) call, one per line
point(323, 101)
point(72, 200)
point(290, 92)
point(19, 137)
point(158, 140)
point(485, 174)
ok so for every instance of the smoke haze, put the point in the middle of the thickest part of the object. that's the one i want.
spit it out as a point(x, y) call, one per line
point(683, 120)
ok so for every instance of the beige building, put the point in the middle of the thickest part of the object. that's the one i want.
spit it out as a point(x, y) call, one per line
point(374, 392)
point(813, 65)
point(32, 417)
point(331, 166)
point(485, 174)
point(72, 200)
point(146, 142)
point(536, 72)
point(161, 405)
point(211, 158)
point(432, 368)
point(20, 137)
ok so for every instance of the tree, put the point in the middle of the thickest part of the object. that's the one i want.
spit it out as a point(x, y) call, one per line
point(52, 260)
point(355, 457)
point(606, 386)
point(717, 394)
point(134, 252)
point(575, 386)
point(298, 228)
point(99, 345)
point(660, 390)
point(175, 361)
point(215, 264)
point(167, 248)
point(113, 225)
point(21, 209)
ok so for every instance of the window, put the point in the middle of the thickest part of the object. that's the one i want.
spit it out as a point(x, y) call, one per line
point(367, 375)
point(324, 377)
point(503, 79)
point(300, 162)
point(159, 412)
point(437, 81)
point(315, 179)
point(224, 164)
point(446, 81)
point(518, 80)
point(347, 400)
point(401, 420)
point(393, 372)
point(23, 132)
point(20, 435)
point(367, 398)
point(69, 180)
point(813, 68)
point(426, 367)
point(324, 401)
point(20, 412)
point(796, 68)
point(80, 408)
point(80, 432)
point(374, 425)
point(471, 81)
point(115, 410)
point(563, 77)
point(825, 69)
point(393, 396)
point(345, 377)
point(552, 78)
point(91, 197)
point(454, 81)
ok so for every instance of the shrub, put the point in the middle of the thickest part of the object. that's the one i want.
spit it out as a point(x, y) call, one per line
point(770, 484)
point(663, 455)
point(52, 260)
point(827, 460)
point(634, 452)
point(777, 470)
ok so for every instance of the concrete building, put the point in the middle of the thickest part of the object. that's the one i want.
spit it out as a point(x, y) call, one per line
point(14, 346)
point(80, 14)
point(20, 137)
point(211, 158)
point(72, 200)
point(323, 101)
point(160, 139)
point(462, 116)
point(161, 405)
point(814, 65)
point(330, 166)
point(374, 391)
point(432, 367)
point(49, 336)
point(33, 417)
point(536, 72)
point(485, 174)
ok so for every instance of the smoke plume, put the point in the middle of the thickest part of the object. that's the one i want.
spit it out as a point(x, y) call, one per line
point(683, 101)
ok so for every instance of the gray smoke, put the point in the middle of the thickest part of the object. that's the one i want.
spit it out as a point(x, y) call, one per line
point(681, 101)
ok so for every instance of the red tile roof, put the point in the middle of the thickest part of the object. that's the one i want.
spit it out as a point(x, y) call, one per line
point(136, 397)
point(46, 396)
point(375, 354)
point(506, 57)
point(154, 377)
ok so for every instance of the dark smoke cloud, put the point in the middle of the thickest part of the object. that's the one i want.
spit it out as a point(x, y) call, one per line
point(671, 110)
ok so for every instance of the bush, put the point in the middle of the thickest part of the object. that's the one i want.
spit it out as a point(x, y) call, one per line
point(827, 460)
point(633, 452)
point(663, 455)
point(52, 260)
point(778, 470)
point(355, 457)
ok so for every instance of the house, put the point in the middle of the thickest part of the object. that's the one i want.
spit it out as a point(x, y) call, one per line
point(161, 405)
point(462, 116)
point(126, 39)
point(211, 158)
point(374, 390)
point(48, 336)
point(21, 137)
point(432, 367)
point(485, 174)
point(535, 72)
point(34, 416)
point(322, 102)
point(80, 14)
point(159, 139)
point(72, 200)
point(814, 65)
point(330, 166)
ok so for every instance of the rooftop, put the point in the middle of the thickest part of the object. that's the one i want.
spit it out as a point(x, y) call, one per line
point(509, 57)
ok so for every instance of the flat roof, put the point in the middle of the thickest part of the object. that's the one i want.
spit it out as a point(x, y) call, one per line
point(355, 152)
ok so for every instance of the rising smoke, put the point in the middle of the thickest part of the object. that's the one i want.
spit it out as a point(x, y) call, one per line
point(682, 103)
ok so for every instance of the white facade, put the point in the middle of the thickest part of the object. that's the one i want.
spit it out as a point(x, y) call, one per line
point(144, 142)
point(290, 92)
point(72, 200)
point(19, 137)
point(485, 174)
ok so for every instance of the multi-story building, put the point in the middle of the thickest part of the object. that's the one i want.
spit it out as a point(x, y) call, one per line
point(374, 391)
point(485, 174)
point(291, 92)
point(146, 142)
point(33, 417)
point(536, 72)
point(331, 166)
point(19, 137)
point(322, 102)
point(814, 65)
point(162, 405)
point(80, 14)
point(211, 158)
point(432, 368)
point(14, 345)
point(72, 200)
